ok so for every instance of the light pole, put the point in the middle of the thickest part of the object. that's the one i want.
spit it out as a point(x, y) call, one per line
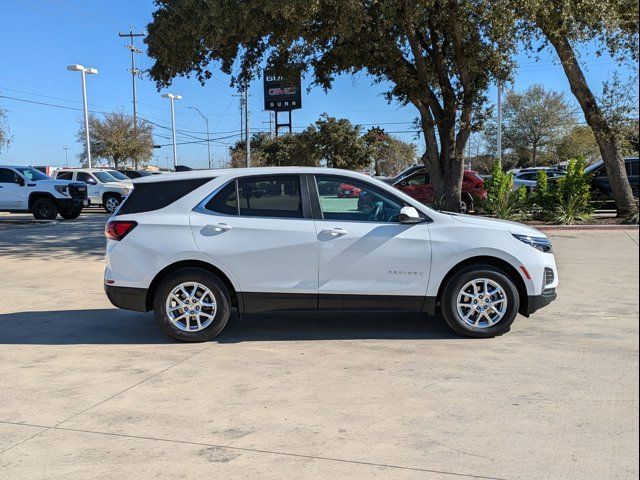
point(173, 97)
point(66, 156)
point(83, 72)
point(206, 121)
point(499, 121)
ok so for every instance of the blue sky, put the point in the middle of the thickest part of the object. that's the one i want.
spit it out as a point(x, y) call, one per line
point(40, 37)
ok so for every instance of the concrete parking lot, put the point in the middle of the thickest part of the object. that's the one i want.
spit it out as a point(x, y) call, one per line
point(88, 391)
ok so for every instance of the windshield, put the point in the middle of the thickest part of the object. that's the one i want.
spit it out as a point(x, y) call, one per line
point(32, 174)
point(104, 177)
point(593, 167)
point(117, 175)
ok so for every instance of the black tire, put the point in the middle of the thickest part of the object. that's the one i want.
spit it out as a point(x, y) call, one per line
point(448, 302)
point(71, 215)
point(466, 204)
point(217, 288)
point(44, 209)
point(111, 202)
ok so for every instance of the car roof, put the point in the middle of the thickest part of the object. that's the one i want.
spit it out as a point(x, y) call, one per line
point(243, 172)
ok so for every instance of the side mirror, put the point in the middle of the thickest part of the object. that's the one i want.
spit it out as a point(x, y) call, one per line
point(20, 181)
point(409, 215)
point(91, 181)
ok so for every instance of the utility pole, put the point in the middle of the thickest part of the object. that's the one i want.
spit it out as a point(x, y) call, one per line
point(171, 98)
point(247, 134)
point(84, 71)
point(66, 156)
point(499, 120)
point(134, 72)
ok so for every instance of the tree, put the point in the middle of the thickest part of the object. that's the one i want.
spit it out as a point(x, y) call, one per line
point(565, 24)
point(438, 55)
point(533, 123)
point(116, 140)
point(578, 142)
point(271, 151)
point(338, 143)
point(5, 138)
point(390, 155)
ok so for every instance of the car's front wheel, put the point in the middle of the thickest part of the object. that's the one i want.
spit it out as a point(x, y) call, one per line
point(480, 301)
point(44, 209)
point(192, 305)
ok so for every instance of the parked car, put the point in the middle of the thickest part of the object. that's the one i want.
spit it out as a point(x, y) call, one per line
point(102, 188)
point(600, 185)
point(121, 177)
point(133, 174)
point(405, 173)
point(25, 189)
point(529, 178)
point(418, 185)
point(348, 191)
point(198, 244)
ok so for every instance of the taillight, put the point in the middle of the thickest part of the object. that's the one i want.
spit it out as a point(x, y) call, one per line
point(118, 229)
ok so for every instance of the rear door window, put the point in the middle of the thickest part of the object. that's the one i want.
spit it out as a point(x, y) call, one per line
point(64, 175)
point(225, 201)
point(270, 196)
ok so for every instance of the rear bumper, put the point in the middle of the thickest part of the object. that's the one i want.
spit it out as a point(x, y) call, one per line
point(127, 298)
point(536, 302)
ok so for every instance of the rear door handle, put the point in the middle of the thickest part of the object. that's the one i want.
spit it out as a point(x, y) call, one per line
point(336, 232)
point(220, 227)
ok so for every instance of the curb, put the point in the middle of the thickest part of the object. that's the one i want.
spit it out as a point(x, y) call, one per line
point(584, 227)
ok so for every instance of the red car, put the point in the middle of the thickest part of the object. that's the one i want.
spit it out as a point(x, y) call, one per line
point(418, 186)
point(348, 191)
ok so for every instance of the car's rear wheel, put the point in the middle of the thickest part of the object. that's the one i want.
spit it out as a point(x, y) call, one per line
point(44, 209)
point(480, 301)
point(111, 202)
point(192, 305)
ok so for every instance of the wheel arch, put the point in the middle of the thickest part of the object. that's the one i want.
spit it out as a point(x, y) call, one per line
point(499, 263)
point(174, 267)
point(33, 196)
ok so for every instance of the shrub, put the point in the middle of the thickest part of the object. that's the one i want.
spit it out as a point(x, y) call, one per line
point(502, 200)
point(569, 201)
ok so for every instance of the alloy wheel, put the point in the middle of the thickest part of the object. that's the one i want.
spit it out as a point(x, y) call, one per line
point(191, 307)
point(481, 303)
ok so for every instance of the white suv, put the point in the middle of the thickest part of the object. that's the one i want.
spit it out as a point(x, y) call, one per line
point(273, 239)
point(102, 187)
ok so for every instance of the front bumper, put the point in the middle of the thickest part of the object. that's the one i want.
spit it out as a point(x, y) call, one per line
point(69, 204)
point(127, 298)
point(536, 302)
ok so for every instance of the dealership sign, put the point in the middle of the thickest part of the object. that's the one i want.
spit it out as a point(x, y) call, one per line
point(281, 94)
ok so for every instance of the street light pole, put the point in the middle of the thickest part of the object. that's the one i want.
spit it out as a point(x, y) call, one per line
point(83, 72)
point(173, 97)
point(66, 156)
point(206, 121)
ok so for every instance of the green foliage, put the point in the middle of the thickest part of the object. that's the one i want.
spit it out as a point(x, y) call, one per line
point(533, 123)
point(502, 200)
point(390, 155)
point(439, 56)
point(569, 201)
point(577, 142)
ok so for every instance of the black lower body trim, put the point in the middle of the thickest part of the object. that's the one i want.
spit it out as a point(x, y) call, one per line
point(69, 204)
point(256, 302)
point(127, 298)
point(536, 302)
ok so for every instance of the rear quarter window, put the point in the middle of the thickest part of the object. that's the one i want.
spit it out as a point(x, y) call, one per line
point(147, 197)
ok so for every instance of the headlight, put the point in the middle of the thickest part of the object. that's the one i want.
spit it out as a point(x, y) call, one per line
point(62, 189)
point(540, 243)
point(126, 191)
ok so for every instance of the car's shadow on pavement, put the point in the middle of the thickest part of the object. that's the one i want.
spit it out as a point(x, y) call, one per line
point(112, 326)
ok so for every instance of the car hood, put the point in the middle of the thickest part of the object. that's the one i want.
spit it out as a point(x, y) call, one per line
point(120, 184)
point(53, 182)
point(512, 227)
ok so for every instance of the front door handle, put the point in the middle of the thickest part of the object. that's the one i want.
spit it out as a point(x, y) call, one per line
point(219, 227)
point(336, 232)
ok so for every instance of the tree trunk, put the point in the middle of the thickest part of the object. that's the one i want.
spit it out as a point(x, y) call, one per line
point(606, 138)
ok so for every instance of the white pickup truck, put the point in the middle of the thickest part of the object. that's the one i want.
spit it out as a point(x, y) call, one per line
point(25, 189)
point(102, 187)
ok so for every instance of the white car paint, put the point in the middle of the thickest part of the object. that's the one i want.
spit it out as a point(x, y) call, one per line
point(298, 255)
point(96, 191)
